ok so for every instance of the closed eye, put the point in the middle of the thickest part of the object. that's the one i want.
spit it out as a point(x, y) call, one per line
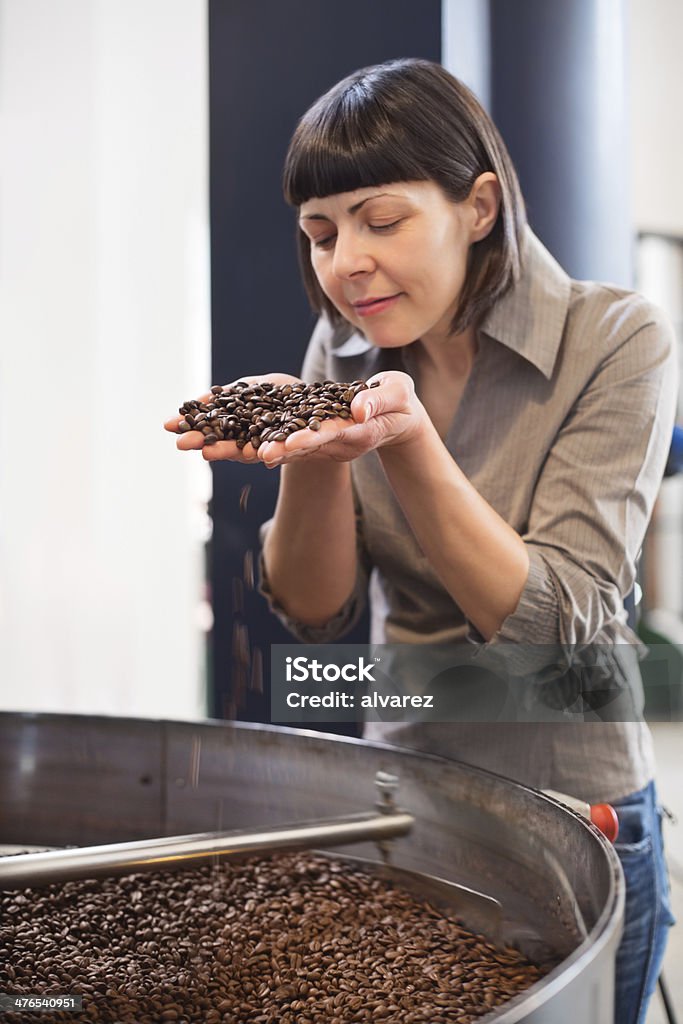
point(328, 241)
point(324, 243)
point(386, 227)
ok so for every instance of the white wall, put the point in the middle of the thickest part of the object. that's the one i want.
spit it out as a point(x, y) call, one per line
point(656, 35)
point(656, 32)
point(104, 329)
point(465, 46)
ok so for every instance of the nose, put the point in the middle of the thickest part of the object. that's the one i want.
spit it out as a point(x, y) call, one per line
point(352, 254)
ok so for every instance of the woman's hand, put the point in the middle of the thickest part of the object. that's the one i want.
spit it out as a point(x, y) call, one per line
point(223, 450)
point(388, 414)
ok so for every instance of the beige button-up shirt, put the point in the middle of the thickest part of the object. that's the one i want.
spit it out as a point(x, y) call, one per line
point(564, 428)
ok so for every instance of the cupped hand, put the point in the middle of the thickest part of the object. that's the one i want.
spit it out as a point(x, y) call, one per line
point(193, 440)
point(389, 413)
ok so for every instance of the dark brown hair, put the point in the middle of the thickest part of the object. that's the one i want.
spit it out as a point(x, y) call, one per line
point(408, 120)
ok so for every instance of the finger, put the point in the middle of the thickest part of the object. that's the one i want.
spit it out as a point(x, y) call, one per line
point(274, 453)
point(387, 392)
point(244, 380)
point(311, 440)
point(223, 451)
point(368, 403)
point(261, 378)
point(271, 453)
point(190, 441)
point(335, 438)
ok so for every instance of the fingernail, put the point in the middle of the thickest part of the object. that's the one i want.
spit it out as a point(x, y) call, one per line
point(368, 410)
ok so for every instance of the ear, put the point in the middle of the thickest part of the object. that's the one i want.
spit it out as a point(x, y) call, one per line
point(484, 203)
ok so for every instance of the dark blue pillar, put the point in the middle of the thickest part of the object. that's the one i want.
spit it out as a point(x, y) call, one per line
point(559, 97)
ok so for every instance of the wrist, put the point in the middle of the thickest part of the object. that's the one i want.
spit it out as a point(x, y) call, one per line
point(321, 471)
point(317, 478)
point(420, 432)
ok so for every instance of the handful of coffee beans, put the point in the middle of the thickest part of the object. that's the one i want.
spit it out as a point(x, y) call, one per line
point(254, 413)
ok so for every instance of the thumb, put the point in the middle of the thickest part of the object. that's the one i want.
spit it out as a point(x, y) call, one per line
point(365, 406)
point(369, 402)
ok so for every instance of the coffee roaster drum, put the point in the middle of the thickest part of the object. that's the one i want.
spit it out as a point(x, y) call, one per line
point(85, 780)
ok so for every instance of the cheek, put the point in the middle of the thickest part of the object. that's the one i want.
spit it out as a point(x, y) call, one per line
point(449, 267)
point(438, 282)
point(452, 279)
point(330, 286)
point(322, 274)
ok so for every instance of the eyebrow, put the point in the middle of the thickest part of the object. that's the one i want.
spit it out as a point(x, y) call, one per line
point(351, 209)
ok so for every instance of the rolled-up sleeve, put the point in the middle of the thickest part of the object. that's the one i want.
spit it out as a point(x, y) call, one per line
point(594, 498)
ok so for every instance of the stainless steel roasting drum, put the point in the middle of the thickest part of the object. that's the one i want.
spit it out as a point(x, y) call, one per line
point(72, 780)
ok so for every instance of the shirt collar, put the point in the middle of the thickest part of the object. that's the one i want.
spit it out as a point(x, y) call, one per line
point(531, 316)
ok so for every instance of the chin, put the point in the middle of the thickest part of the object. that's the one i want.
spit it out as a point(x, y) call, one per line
point(387, 338)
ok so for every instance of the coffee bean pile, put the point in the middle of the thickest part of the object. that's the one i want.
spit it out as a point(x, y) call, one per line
point(300, 939)
point(254, 413)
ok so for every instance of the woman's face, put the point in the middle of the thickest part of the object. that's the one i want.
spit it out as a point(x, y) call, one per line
point(393, 258)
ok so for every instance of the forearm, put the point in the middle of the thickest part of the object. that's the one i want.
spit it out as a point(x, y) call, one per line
point(480, 559)
point(310, 549)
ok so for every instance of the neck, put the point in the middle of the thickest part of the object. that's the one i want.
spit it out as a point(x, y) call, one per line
point(452, 355)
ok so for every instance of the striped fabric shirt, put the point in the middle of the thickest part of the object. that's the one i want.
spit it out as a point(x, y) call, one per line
point(564, 428)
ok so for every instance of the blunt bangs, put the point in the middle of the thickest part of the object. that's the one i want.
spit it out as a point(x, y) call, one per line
point(344, 146)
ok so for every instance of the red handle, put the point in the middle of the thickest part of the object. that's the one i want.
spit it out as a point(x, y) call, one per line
point(605, 818)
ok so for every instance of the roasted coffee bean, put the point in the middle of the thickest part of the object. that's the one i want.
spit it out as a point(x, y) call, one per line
point(292, 939)
point(244, 497)
point(248, 574)
point(256, 677)
point(255, 413)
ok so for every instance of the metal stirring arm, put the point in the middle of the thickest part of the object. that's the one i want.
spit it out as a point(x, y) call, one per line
point(172, 853)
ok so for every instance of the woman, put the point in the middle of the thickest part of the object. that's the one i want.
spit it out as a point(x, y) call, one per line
point(497, 484)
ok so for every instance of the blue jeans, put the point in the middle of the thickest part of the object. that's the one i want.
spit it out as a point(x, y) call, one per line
point(648, 909)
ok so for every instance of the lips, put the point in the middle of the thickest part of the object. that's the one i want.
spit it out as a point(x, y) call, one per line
point(361, 303)
point(366, 307)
